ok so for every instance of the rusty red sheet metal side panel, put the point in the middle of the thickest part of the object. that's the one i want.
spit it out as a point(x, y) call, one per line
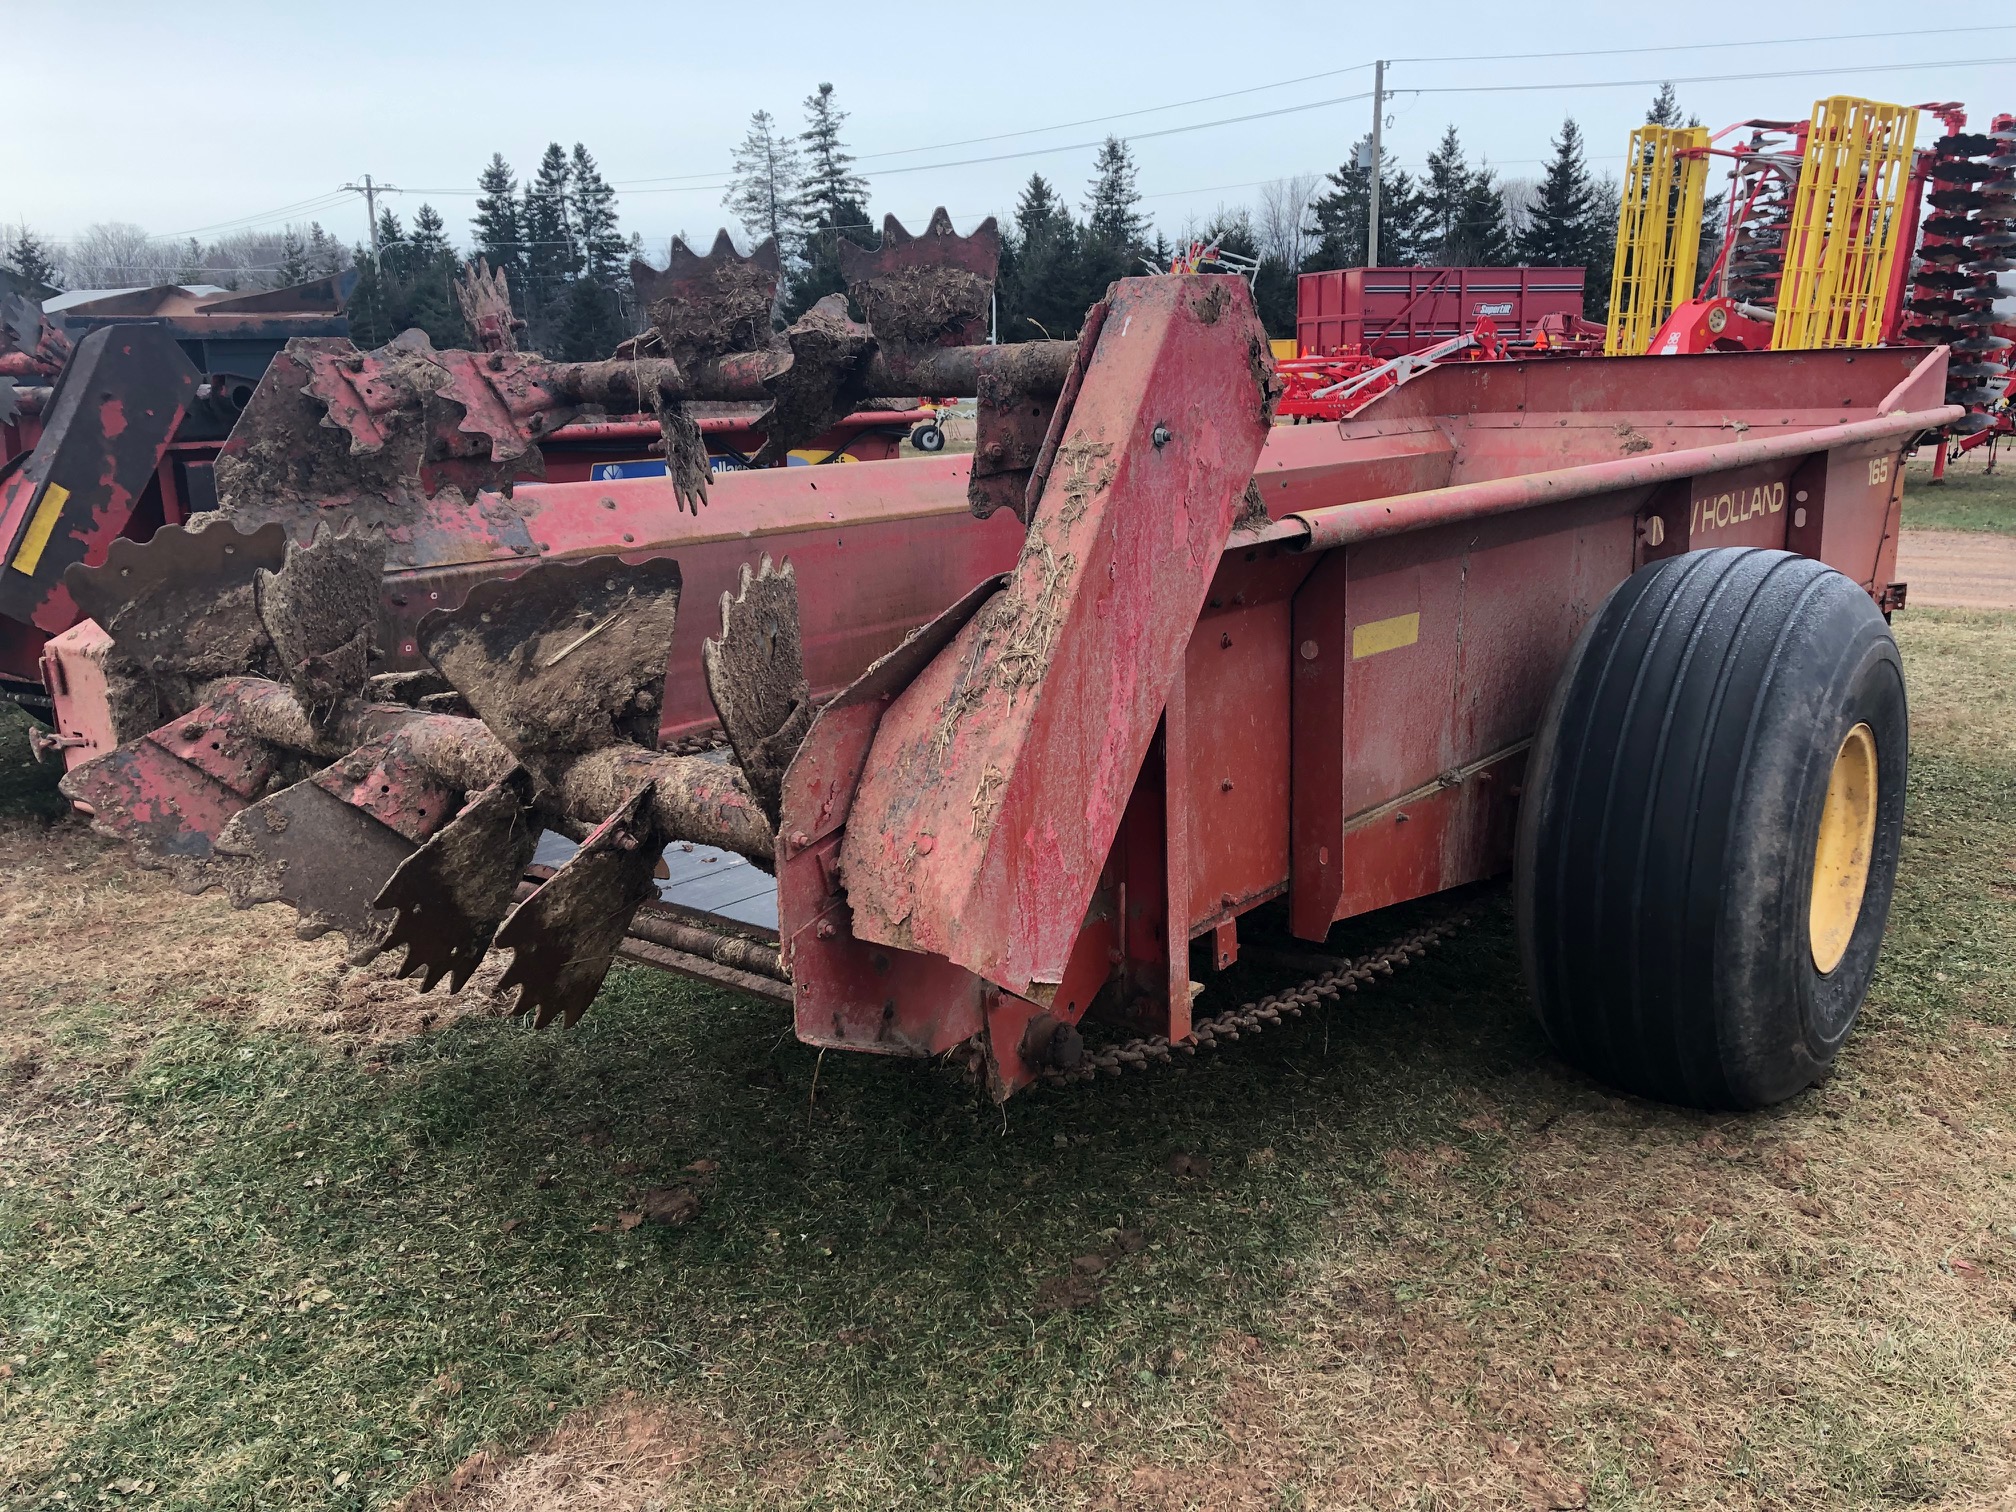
point(849, 993)
point(880, 548)
point(172, 793)
point(1237, 759)
point(998, 778)
point(1428, 638)
point(1422, 665)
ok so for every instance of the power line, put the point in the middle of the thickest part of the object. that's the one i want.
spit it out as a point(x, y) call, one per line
point(1002, 157)
point(331, 199)
point(300, 207)
point(1612, 52)
point(1332, 73)
point(1139, 136)
point(1796, 73)
point(1123, 115)
point(1347, 99)
point(371, 191)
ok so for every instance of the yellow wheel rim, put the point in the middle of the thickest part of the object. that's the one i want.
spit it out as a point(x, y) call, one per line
point(1841, 854)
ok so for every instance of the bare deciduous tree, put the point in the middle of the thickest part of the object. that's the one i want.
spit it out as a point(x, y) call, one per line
point(1281, 221)
point(116, 254)
point(1519, 196)
point(120, 255)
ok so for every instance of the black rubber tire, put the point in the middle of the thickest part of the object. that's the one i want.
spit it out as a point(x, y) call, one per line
point(928, 438)
point(1665, 859)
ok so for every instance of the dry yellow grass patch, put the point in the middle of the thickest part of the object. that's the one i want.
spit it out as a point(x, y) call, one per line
point(625, 1456)
point(84, 925)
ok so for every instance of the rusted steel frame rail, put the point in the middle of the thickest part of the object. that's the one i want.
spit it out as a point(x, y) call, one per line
point(710, 425)
point(1035, 367)
point(1371, 519)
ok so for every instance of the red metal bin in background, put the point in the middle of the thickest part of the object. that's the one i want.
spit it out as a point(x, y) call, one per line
point(1388, 312)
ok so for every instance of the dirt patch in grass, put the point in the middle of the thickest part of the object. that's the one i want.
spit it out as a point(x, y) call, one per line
point(1952, 569)
point(1392, 1256)
point(624, 1456)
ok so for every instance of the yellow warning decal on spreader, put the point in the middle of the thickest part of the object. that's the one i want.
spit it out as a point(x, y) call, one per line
point(1374, 636)
point(40, 527)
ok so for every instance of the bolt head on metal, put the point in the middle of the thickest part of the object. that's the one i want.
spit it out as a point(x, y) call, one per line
point(827, 929)
point(1160, 436)
point(1308, 650)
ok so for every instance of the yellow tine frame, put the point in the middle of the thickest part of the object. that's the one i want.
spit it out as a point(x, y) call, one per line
point(1841, 242)
point(1658, 234)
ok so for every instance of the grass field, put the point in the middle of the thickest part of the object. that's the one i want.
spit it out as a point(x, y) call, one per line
point(274, 1233)
point(1970, 498)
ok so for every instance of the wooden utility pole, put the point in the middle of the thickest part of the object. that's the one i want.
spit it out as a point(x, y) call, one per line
point(371, 191)
point(1378, 126)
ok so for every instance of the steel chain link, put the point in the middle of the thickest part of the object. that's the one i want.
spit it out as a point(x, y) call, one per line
point(1263, 1013)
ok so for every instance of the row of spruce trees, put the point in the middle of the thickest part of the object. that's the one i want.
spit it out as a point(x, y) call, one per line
point(557, 241)
point(802, 189)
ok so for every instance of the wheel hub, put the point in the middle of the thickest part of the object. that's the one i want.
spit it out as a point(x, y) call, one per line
point(1842, 852)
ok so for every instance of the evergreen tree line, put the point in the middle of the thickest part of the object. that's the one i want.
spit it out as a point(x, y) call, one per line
point(562, 252)
point(558, 240)
point(802, 190)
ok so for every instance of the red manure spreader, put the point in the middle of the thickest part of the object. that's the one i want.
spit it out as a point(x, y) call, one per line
point(1024, 736)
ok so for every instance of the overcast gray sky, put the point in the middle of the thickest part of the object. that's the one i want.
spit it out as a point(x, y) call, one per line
point(257, 113)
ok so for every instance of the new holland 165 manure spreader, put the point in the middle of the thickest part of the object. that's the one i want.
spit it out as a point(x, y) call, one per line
point(1015, 730)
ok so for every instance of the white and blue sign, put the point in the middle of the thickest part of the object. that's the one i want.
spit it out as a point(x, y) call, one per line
point(654, 467)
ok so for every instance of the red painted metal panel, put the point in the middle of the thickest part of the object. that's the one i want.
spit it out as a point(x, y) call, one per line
point(1863, 484)
point(1176, 860)
point(1392, 311)
point(105, 430)
point(1236, 734)
point(1434, 654)
point(1316, 710)
point(1139, 876)
point(853, 995)
point(848, 992)
point(1318, 466)
point(1512, 490)
point(1746, 506)
point(962, 843)
point(1761, 390)
point(880, 548)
